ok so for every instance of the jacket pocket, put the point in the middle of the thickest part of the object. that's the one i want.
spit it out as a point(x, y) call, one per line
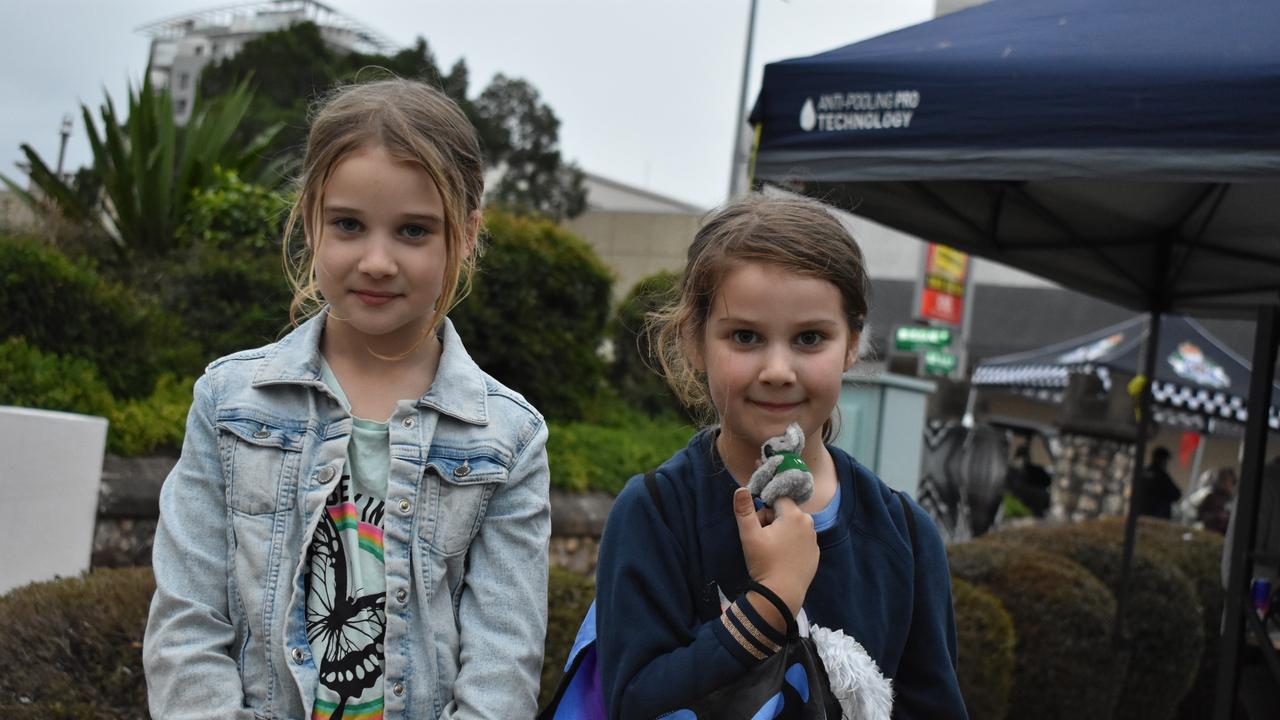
point(462, 482)
point(262, 458)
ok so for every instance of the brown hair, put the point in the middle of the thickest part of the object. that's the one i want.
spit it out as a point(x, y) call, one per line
point(793, 233)
point(415, 123)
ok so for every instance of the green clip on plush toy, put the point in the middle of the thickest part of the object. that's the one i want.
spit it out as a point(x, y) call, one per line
point(781, 472)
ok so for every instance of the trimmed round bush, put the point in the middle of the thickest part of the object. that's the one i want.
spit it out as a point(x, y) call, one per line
point(1065, 665)
point(1198, 554)
point(986, 641)
point(73, 647)
point(1163, 620)
point(634, 372)
point(535, 318)
point(568, 597)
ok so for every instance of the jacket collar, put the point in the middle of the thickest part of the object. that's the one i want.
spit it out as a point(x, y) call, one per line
point(459, 389)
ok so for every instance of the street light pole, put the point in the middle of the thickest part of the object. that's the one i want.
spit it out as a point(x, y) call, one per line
point(735, 176)
point(62, 149)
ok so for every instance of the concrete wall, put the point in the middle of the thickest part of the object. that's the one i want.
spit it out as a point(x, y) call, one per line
point(636, 244)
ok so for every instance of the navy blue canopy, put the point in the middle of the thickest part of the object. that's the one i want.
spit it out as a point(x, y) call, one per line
point(1129, 149)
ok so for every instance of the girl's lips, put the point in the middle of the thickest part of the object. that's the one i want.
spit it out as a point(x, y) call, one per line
point(374, 298)
point(776, 407)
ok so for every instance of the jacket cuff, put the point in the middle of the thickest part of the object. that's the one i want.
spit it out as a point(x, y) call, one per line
point(746, 635)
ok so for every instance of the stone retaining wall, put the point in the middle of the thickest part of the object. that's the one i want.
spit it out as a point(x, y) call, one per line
point(128, 505)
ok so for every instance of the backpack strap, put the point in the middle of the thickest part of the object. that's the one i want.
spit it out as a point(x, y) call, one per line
point(911, 518)
point(705, 594)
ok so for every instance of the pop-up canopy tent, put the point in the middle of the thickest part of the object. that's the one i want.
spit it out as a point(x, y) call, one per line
point(1128, 149)
point(1197, 378)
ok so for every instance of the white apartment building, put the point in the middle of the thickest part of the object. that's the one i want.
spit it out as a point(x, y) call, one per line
point(182, 46)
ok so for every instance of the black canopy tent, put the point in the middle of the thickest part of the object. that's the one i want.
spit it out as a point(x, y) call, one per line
point(1197, 378)
point(1128, 149)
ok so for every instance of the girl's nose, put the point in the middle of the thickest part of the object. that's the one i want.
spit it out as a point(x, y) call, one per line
point(777, 368)
point(377, 260)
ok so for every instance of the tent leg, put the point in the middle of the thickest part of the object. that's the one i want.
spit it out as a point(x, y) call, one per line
point(1135, 487)
point(1246, 524)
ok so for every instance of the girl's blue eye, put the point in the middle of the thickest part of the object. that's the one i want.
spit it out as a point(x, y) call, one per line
point(809, 339)
point(415, 232)
point(743, 337)
point(347, 225)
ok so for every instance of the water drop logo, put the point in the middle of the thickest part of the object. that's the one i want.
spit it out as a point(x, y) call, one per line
point(808, 116)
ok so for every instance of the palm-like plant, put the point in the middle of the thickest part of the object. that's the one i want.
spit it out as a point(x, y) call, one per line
point(149, 167)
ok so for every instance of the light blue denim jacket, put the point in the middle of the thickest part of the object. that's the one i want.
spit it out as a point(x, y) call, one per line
point(466, 535)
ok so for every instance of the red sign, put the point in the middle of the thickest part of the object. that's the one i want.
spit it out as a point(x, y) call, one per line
point(942, 297)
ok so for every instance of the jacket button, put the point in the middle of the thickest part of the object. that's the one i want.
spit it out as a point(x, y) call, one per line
point(326, 474)
point(462, 470)
point(405, 506)
point(408, 422)
point(398, 688)
point(262, 434)
point(402, 595)
point(298, 655)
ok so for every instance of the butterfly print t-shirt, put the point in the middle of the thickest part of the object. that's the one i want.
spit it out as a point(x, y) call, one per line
point(346, 578)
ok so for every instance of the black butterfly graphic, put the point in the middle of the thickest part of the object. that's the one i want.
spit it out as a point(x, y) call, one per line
point(350, 629)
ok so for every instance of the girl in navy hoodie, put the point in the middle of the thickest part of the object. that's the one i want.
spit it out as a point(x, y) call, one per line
point(771, 307)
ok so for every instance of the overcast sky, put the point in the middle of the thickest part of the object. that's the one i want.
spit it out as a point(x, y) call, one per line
point(646, 90)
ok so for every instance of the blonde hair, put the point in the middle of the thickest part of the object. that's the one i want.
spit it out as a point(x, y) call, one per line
point(414, 123)
point(793, 233)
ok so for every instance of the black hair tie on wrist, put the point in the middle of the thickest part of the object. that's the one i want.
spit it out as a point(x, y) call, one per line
point(777, 603)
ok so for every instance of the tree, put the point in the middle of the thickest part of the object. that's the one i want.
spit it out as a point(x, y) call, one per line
point(148, 167)
point(293, 67)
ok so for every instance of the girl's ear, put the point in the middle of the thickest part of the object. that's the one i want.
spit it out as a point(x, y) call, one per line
point(472, 236)
point(693, 351)
point(851, 355)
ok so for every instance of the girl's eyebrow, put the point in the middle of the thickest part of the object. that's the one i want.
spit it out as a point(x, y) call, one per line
point(419, 217)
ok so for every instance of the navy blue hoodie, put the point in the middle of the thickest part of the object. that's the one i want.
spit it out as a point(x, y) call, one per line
point(661, 640)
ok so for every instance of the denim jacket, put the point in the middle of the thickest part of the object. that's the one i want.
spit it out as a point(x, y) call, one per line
point(466, 534)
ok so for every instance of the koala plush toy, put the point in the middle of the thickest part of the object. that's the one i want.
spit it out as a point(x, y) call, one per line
point(781, 471)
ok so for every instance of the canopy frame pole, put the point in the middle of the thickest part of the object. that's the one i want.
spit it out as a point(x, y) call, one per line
point(1266, 336)
point(1135, 486)
point(1214, 195)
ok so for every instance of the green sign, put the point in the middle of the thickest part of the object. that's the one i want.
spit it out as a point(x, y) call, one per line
point(916, 337)
point(939, 362)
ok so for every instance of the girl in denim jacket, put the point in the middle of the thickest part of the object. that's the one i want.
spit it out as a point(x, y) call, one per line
point(358, 524)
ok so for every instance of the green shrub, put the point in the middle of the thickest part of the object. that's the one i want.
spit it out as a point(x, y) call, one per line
point(232, 214)
point(1199, 555)
point(32, 378)
point(568, 597)
point(586, 456)
point(634, 372)
point(986, 640)
point(536, 314)
point(1163, 620)
point(155, 423)
point(1065, 665)
point(73, 647)
point(64, 308)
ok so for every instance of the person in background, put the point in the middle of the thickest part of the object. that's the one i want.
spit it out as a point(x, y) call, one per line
point(1214, 509)
point(1157, 492)
point(1029, 482)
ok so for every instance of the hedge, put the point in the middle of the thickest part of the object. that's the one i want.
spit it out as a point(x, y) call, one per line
point(588, 456)
point(536, 315)
point(1065, 666)
point(986, 640)
point(633, 373)
point(1163, 619)
point(1199, 555)
point(73, 647)
point(67, 309)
